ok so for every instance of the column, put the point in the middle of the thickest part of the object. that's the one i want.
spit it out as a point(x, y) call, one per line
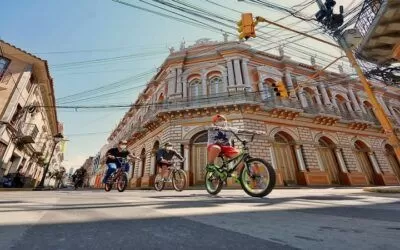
point(231, 77)
point(238, 73)
point(374, 162)
point(152, 163)
point(354, 100)
point(186, 156)
point(273, 159)
point(204, 82)
point(185, 88)
point(318, 99)
point(362, 107)
point(245, 72)
point(300, 159)
point(325, 96)
point(339, 156)
point(179, 81)
point(224, 82)
point(171, 83)
point(303, 99)
point(382, 102)
point(349, 107)
point(289, 84)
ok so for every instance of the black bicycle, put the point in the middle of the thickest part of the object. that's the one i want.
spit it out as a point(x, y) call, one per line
point(255, 171)
point(120, 176)
point(176, 175)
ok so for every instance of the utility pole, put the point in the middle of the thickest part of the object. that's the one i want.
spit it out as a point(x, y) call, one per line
point(332, 22)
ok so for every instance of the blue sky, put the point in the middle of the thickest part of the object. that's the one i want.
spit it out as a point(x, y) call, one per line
point(62, 31)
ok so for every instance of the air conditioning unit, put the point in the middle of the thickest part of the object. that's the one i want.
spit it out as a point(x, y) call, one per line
point(352, 37)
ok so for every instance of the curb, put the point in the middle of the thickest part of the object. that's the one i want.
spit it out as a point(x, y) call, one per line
point(15, 189)
point(392, 190)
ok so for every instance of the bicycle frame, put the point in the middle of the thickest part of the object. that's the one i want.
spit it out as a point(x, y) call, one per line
point(241, 158)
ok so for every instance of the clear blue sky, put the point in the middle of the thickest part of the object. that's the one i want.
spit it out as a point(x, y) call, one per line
point(92, 29)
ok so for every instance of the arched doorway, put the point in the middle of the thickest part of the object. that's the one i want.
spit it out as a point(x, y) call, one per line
point(362, 151)
point(285, 157)
point(142, 162)
point(394, 163)
point(156, 146)
point(199, 156)
point(326, 152)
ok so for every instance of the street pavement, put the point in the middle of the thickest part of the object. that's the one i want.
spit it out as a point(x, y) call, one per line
point(327, 218)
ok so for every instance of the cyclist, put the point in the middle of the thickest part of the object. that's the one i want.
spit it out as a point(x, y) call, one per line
point(164, 157)
point(219, 142)
point(112, 162)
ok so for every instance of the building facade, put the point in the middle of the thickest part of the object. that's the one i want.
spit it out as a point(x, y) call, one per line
point(26, 128)
point(325, 133)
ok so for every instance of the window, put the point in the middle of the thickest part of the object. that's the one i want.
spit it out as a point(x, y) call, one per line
point(15, 117)
point(4, 62)
point(216, 85)
point(195, 88)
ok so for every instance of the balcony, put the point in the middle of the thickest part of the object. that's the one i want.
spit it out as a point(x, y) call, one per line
point(379, 26)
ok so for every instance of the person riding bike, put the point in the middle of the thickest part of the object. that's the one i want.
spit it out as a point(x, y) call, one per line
point(219, 142)
point(112, 161)
point(78, 176)
point(164, 156)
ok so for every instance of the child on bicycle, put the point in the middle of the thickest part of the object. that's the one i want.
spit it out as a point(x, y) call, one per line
point(219, 142)
point(164, 156)
point(112, 161)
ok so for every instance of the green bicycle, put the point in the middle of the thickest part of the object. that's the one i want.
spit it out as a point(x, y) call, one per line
point(255, 171)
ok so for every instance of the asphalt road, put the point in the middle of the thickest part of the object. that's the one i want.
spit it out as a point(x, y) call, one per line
point(287, 219)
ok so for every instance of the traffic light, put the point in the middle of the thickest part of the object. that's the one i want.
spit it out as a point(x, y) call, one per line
point(246, 26)
point(280, 89)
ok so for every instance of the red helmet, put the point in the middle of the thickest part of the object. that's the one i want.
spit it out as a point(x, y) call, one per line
point(215, 118)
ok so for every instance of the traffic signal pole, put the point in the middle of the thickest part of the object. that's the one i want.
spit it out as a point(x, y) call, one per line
point(393, 140)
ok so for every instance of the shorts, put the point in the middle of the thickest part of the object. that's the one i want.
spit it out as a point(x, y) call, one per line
point(227, 151)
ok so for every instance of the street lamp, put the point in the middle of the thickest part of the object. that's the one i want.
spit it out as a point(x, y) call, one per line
point(57, 138)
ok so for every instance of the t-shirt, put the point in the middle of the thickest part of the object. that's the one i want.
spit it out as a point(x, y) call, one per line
point(219, 137)
point(167, 155)
point(115, 152)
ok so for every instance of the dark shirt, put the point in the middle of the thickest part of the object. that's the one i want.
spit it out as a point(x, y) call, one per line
point(167, 155)
point(80, 172)
point(115, 152)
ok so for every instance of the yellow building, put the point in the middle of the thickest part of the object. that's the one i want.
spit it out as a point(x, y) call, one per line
point(325, 133)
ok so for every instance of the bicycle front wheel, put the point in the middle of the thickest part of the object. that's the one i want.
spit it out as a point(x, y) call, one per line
point(213, 182)
point(257, 178)
point(179, 180)
point(122, 182)
point(159, 182)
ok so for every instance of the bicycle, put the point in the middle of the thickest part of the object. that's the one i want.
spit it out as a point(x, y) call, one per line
point(176, 175)
point(249, 175)
point(120, 176)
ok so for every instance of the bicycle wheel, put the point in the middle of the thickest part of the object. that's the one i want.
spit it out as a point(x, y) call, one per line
point(213, 182)
point(159, 183)
point(251, 182)
point(122, 182)
point(107, 187)
point(109, 184)
point(179, 180)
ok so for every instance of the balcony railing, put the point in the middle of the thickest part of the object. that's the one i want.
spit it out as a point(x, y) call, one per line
point(28, 133)
point(236, 98)
point(367, 15)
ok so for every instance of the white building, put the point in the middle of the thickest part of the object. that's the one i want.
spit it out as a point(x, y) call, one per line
point(26, 127)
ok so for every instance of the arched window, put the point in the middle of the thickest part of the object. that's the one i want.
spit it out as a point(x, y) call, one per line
point(216, 86)
point(195, 88)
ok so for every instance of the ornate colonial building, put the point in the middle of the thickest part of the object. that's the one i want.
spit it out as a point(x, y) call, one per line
point(325, 133)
